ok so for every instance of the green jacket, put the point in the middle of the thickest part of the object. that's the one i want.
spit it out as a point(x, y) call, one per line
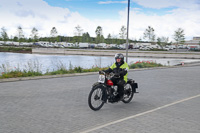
point(125, 69)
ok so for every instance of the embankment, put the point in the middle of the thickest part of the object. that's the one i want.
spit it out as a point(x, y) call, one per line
point(131, 53)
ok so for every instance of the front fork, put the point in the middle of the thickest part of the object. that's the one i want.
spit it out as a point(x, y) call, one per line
point(104, 97)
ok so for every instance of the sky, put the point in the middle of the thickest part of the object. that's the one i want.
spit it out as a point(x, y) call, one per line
point(165, 16)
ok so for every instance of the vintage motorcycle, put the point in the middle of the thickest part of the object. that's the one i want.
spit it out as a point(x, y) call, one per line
point(104, 91)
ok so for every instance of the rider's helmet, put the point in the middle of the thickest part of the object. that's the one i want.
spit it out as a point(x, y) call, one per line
point(119, 56)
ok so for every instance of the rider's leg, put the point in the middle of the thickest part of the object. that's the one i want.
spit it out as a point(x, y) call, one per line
point(113, 98)
point(120, 89)
point(104, 95)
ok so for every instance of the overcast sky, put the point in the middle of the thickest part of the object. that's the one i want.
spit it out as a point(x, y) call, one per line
point(165, 16)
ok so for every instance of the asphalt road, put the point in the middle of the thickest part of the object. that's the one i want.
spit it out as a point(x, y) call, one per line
point(168, 102)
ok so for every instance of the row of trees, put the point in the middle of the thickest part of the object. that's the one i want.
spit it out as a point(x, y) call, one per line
point(79, 36)
point(178, 36)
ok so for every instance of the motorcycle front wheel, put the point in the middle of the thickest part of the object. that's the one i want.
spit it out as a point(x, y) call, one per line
point(128, 93)
point(95, 97)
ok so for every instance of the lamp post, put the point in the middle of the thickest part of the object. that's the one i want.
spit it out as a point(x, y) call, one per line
point(127, 32)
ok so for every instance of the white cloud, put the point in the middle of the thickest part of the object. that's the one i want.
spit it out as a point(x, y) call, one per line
point(37, 13)
point(185, 16)
point(167, 3)
point(166, 25)
point(112, 2)
point(29, 14)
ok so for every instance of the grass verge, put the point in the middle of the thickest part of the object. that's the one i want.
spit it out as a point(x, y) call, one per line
point(16, 49)
point(31, 73)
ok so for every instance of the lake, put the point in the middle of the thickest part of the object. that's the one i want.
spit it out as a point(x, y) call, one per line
point(13, 61)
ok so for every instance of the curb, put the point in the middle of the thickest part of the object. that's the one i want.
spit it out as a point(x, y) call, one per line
point(45, 77)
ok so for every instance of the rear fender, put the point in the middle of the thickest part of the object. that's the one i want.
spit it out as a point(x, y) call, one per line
point(133, 84)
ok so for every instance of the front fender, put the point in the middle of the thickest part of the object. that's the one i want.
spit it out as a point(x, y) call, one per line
point(96, 84)
point(99, 84)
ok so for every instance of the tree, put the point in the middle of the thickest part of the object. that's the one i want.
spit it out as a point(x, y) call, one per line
point(53, 32)
point(149, 34)
point(179, 36)
point(98, 31)
point(4, 35)
point(86, 37)
point(20, 34)
point(15, 39)
point(78, 31)
point(109, 36)
point(99, 35)
point(34, 34)
point(163, 41)
point(109, 39)
point(159, 41)
point(122, 33)
point(101, 39)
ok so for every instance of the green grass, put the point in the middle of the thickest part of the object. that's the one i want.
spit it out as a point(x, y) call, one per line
point(30, 72)
point(15, 74)
point(60, 71)
point(75, 70)
point(15, 49)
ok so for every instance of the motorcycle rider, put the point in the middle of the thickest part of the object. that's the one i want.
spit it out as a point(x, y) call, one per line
point(120, 70)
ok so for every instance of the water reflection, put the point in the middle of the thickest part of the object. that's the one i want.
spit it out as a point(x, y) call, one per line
point(52, 62)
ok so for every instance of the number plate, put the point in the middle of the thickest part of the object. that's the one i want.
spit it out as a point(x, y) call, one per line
point(101, 79)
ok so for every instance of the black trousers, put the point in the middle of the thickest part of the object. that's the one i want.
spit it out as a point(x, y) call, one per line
point(120, 83)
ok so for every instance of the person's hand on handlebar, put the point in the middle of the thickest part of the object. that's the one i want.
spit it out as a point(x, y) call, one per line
point(117, 75)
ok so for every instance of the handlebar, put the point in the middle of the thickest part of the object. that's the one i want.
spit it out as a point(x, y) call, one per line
point(101, 72)
point(109, 74)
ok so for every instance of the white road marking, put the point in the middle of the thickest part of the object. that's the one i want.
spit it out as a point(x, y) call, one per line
point(140, 114)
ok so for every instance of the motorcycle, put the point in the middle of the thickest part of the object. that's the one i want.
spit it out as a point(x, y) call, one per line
point(105, 91)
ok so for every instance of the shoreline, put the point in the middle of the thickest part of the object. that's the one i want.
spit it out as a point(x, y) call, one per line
point(94, 52)
point(99, 53)
point(89, 73)
point(11, 49)
point(105, 52)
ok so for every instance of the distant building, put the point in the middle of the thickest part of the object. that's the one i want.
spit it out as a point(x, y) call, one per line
point(196, 38)
point(195, 41)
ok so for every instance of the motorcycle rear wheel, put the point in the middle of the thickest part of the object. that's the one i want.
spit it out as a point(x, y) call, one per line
point(128, 93)
point(95, 97)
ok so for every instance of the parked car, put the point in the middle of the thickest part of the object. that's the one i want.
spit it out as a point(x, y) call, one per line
point(144, 48)
point(166, 48)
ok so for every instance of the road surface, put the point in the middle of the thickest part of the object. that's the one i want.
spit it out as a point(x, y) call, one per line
point(168, 102)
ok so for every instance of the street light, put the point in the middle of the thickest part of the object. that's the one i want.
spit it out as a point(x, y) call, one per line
point(127, 32)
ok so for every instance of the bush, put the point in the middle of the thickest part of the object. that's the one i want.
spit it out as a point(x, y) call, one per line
point(144, 65)
point(78, 69)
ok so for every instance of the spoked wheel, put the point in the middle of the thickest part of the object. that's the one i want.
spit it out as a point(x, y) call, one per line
point(95, 98)
point(128, 93)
